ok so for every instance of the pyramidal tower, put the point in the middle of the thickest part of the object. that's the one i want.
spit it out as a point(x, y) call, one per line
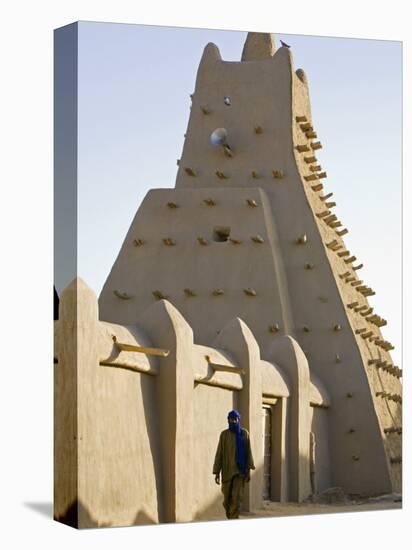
point(249, 232)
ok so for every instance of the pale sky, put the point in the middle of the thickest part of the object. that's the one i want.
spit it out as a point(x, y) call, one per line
point(134, 87)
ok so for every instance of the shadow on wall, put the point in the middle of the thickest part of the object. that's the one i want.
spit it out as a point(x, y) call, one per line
point(211, 511)
point(74, 512)
point(320, 430)
point(143, 519)
point(153, 429)
point(395, 416)
point(77, 511)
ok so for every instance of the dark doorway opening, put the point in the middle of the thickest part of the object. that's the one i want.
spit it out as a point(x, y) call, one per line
point(267, 452)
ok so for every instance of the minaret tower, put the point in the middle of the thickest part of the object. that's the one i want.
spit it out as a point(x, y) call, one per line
point(250, 231)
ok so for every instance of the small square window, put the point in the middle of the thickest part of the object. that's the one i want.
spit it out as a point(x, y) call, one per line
point(221, 234)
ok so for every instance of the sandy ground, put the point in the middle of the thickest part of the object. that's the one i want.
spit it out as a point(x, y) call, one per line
point(275, 509)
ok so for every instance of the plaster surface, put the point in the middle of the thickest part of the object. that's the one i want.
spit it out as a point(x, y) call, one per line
point(241, 280)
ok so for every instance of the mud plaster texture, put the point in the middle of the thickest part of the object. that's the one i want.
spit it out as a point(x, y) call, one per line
point(239, 274)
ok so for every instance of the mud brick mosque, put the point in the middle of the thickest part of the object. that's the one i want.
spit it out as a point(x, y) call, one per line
point(235, 289)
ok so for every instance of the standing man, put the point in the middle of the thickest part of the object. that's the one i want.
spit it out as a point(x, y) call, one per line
point(234, 459)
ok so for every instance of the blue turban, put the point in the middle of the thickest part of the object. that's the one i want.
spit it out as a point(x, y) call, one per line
point(240, 444)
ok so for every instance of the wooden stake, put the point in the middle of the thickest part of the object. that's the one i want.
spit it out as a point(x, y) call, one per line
point(317, 187)
point(189, 292)
point(330, 219)
point(251, 202)
point(141, 349)
point(122, 295)
point(258, 239)
point(249, 291)
point(209, 202)
point(221, 175)
point(218, 292)
point(325, 197)
point(159, 295)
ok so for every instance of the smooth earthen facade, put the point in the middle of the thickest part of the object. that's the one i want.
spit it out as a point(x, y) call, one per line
point(235, 289)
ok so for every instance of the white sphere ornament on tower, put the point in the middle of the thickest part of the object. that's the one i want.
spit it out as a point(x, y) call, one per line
point(218, 136)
